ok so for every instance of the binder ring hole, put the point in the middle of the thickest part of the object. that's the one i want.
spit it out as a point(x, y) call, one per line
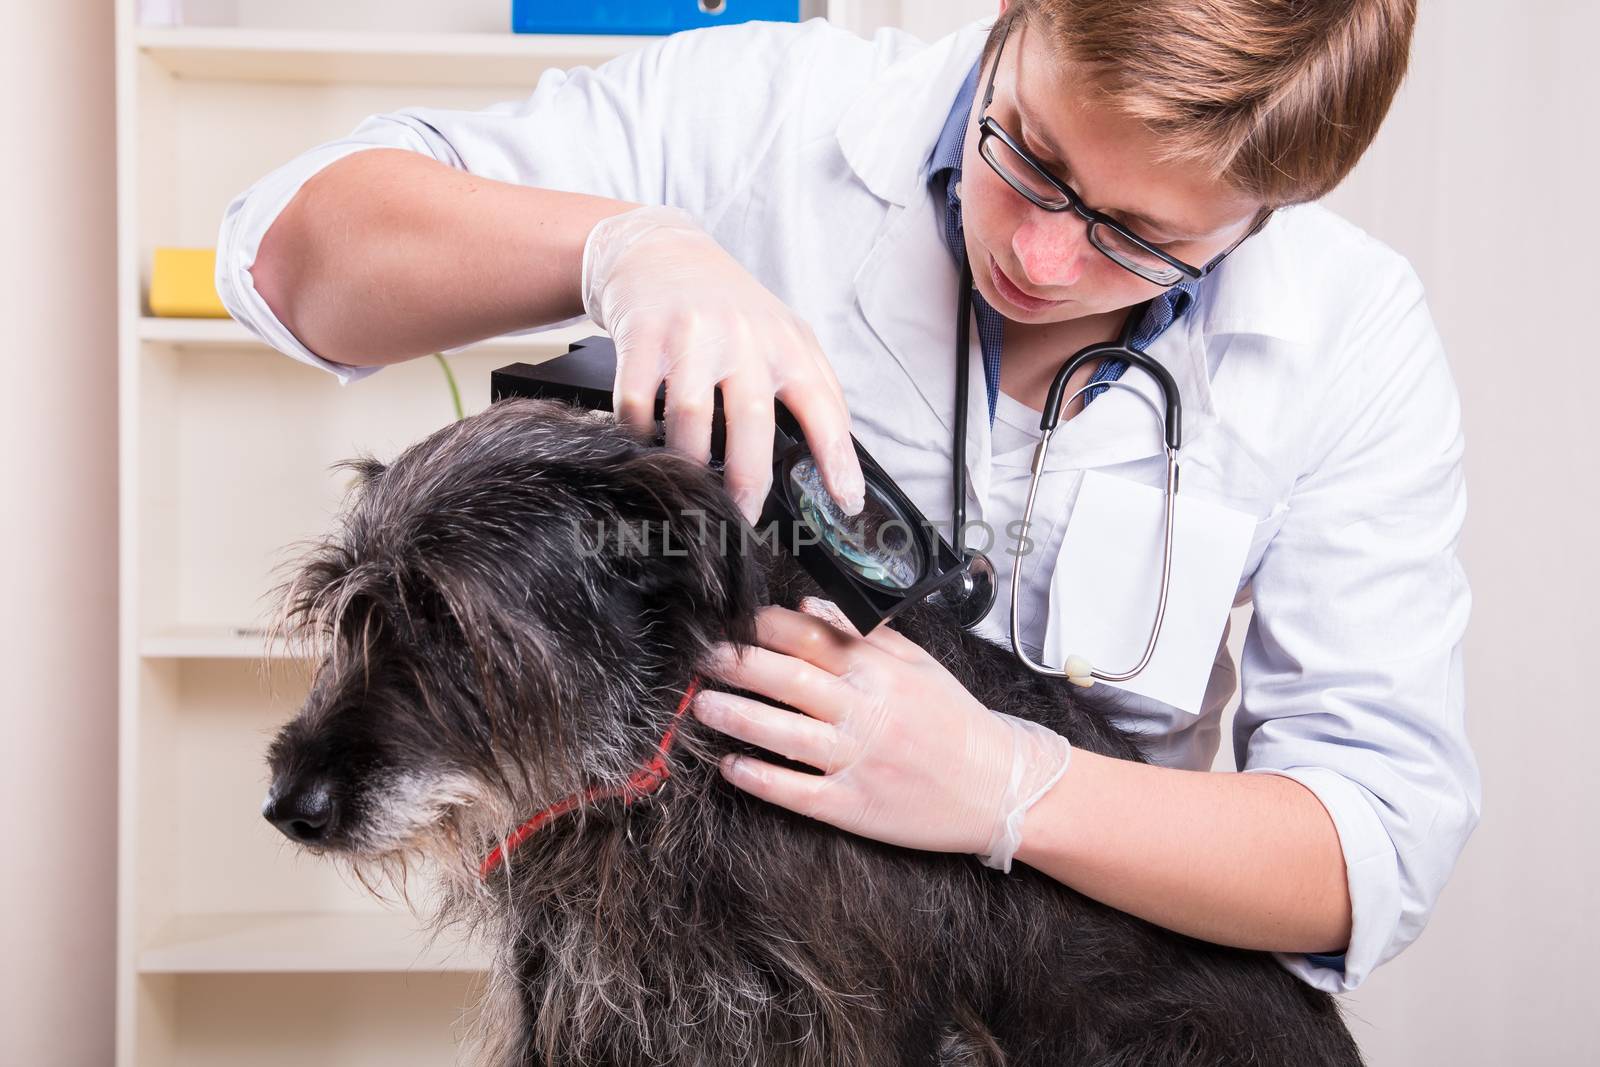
point(713, 7)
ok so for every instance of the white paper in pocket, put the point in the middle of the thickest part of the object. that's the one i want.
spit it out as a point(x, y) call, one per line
point(1108, 577)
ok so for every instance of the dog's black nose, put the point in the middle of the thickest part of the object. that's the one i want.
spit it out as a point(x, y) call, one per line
point(307, 813)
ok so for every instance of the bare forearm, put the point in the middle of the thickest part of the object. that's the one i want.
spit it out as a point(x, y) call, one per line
point(386, 255)
point(1250, 860)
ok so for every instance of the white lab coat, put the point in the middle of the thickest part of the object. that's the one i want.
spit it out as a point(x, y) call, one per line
point(1316, 397)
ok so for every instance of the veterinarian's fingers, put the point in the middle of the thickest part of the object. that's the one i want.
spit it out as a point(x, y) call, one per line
point(830, 613)
point(807, 794)
point(747, 415)
point(638, 378)
point(787, 679)
point(805, 636)
point(691, 397)
point(825, 421)
point(887, 639)
point(799, 737)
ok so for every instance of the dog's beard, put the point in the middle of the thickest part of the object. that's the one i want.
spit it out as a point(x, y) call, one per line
point(438, 824)
point(409, 809)
point(436, 819)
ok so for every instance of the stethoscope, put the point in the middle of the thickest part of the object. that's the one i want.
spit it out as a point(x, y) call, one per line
point(973, 592)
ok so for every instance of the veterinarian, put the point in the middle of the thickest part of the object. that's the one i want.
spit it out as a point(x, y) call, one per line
point(785, 210)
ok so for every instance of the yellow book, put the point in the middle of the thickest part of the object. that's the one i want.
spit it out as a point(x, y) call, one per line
point(182, 285)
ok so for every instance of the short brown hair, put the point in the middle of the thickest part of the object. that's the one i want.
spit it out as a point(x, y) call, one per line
point(1279, 98)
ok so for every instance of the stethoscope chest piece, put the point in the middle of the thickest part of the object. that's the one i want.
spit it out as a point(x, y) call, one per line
point(972, 593)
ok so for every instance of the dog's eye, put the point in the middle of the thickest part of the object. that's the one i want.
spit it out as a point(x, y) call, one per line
point(433, 611)
point(362, 619)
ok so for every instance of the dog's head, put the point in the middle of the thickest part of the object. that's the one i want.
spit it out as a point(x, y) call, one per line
point(501, 615)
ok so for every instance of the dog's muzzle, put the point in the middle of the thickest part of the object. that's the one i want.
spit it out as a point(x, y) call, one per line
point(305, 812)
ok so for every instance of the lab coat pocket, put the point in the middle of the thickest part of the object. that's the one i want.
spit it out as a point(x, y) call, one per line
point(1106, 585)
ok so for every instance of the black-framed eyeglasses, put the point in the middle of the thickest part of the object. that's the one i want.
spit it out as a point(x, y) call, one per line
point(1116, 242)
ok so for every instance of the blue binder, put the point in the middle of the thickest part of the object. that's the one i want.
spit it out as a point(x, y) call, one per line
point(643, 16)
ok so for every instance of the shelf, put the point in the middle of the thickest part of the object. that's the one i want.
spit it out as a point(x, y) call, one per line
point(382, 58)
point(303, 943)
point(210, 642)
point(210, 333)
point(234, 947)
point(228, 334)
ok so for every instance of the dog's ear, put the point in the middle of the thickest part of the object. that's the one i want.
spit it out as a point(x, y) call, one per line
point(367, 469)
point(702, 566)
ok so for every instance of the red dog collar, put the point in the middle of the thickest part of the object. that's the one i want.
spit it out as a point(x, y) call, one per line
point(641, 782)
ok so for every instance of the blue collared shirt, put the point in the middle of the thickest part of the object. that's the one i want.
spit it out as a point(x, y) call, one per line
point(944, 172)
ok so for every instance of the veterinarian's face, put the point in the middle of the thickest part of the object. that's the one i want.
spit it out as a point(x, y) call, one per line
point(1036, 266)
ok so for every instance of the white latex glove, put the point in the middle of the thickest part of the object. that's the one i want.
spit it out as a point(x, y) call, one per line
point(683, 311)
point(909, 756)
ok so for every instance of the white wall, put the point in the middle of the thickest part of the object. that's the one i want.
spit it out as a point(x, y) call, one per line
point(1485, 177)
point(58, 498)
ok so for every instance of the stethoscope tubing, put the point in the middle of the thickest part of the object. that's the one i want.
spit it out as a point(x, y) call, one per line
point(1068, 670)
point(1170, 415)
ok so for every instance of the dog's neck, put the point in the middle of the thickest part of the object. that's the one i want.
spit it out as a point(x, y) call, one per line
point(640, 783)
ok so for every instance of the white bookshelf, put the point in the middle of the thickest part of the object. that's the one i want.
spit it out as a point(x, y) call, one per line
point(218, 335)
point(302, 943)
point(369, 57)
point(234, 948)
point(179, 642)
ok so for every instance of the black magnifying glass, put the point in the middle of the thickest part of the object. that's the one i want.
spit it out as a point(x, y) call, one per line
point(873, 564)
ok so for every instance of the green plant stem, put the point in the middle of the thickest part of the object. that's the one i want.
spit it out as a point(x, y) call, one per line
point(455, 390)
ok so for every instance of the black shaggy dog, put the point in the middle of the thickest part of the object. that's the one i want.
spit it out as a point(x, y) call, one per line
point(485, 655)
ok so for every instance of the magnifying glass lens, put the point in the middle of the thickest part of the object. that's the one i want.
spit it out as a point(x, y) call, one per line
point(877, 544)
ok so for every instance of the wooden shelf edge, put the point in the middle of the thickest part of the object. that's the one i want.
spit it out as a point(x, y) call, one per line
point(228, 334)
point(210, 642)
point(377, 57)
point(303, 943)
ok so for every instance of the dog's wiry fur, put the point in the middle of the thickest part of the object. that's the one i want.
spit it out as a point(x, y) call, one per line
point(478, 663)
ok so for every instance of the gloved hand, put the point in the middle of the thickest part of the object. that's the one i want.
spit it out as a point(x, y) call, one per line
point(683, 311)
point(909, 756)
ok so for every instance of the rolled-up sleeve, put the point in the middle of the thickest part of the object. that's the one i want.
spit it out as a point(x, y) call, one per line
point(1352, 677)
point(247, 220)
point(681, 121)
